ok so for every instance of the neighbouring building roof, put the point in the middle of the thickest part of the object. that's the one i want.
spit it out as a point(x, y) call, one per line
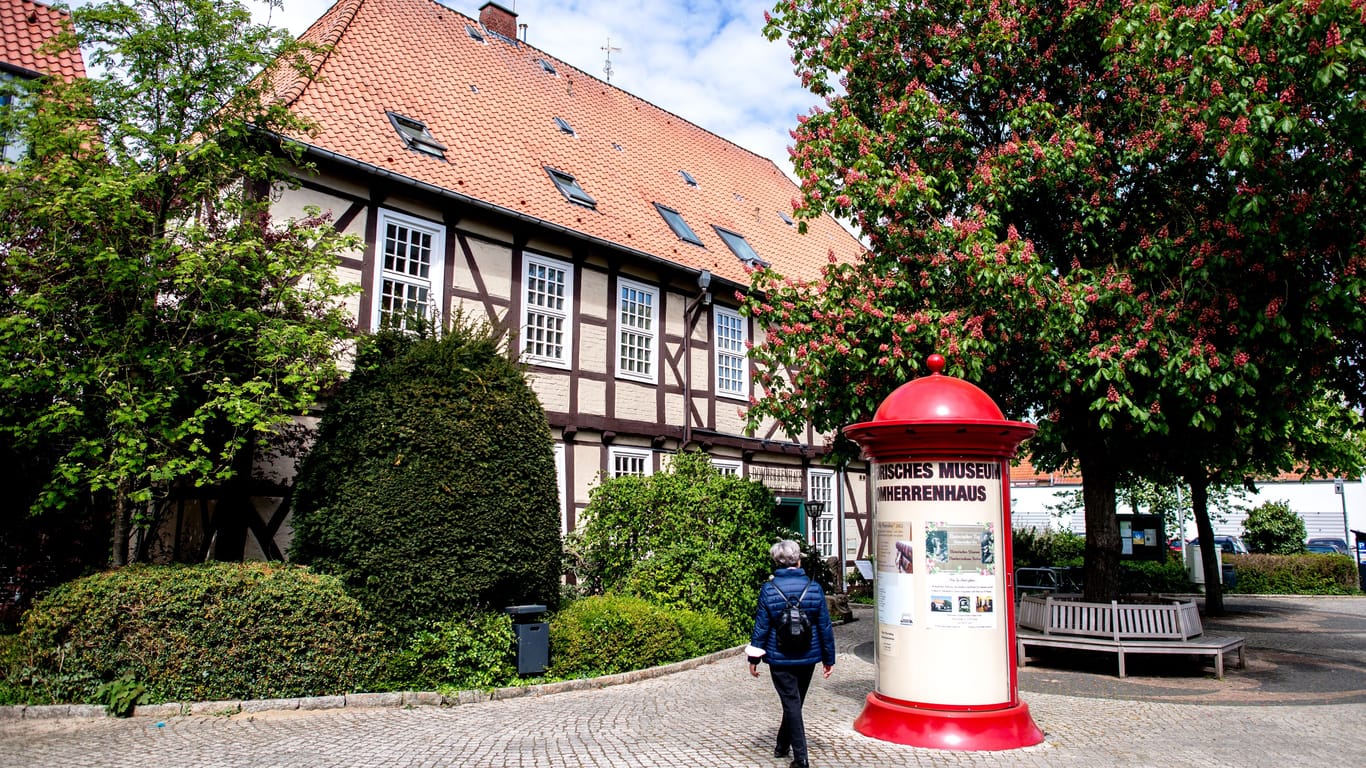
point(489, 106)
point(24, 27)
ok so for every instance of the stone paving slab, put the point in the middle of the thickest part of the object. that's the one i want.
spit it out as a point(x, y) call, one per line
point(713, 714)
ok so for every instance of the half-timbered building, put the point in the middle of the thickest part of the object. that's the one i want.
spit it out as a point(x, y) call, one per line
point(607, 236)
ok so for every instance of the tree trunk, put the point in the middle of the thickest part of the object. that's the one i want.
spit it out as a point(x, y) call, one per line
point(233, 510)
point(1214, 588)
point(1102, 527)
point(123, 515)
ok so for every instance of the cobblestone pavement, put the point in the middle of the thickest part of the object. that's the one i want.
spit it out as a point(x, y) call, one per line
point(717, 715)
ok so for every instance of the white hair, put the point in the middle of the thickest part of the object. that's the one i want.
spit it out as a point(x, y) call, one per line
point(786, 553)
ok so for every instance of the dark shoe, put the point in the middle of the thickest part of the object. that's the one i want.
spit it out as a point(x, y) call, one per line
point(799, 764)
point(782, 751)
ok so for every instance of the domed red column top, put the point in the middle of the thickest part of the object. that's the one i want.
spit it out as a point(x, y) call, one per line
point(938, 413)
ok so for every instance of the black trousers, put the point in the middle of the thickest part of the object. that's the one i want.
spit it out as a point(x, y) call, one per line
point(791, 683)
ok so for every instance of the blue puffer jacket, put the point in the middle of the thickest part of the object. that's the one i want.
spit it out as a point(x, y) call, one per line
point(791, 581)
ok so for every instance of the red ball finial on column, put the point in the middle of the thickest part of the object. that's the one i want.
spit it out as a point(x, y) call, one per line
point(935, 363)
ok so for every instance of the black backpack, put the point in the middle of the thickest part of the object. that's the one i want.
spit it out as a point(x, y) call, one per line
point(794, 626)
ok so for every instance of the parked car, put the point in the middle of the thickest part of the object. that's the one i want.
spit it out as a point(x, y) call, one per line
point(1326, 546)
point(1230, 545)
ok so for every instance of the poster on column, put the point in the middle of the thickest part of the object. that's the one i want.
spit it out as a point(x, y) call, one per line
point(961, 575)
point(895, 578)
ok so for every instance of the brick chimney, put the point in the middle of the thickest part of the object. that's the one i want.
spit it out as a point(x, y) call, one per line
point(498, 19)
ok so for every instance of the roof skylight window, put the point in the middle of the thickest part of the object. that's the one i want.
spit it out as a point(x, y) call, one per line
point(618, 147)
point(571, 189)
point(688, 178)
point(680, 227)
point(416, 136)
point(786, 219)
point(740, 247)
point(474, 33)
point(564, 126)
point(547, 66)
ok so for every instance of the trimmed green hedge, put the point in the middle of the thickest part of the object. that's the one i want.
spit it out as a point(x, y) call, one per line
point(431, 491)
point(608, 634)
point(1294, 574)
point(467, 652)
point(195, 633)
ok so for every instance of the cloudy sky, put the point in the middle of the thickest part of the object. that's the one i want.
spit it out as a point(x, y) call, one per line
point(704, 60)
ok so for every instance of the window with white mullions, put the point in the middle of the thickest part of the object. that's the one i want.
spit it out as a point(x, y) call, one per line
point(637, 330)
point(630, 462)
point(821, 488)
point(409, 272)
point(732, 367)
point(545, 312)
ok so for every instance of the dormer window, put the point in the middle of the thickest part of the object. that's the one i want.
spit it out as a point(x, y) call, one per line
point(474, 34)
point(416, 136)
point(680, 227)
point(564, 126)
point(547, 66)
point(687, 177)
point(571, 189)
point(740, 247)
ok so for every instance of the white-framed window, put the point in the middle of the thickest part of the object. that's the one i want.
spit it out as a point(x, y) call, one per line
point(548, 290)
point(820, 485)
point(409, 271)
point(630, 461)
point(731, 467)
point(732, 366)
point(637, 330)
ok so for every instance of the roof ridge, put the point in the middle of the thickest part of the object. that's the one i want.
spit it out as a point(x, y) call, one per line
point(316, 57)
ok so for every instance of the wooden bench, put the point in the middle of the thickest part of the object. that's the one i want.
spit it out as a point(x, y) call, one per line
point(1067, 622)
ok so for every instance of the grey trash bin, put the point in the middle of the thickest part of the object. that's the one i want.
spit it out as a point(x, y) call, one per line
point(532, 638)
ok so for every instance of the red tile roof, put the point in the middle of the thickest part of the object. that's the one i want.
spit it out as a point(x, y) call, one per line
point(493, 106)
point(24, 27)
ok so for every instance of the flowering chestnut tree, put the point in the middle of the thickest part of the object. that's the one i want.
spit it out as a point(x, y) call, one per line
point(1137, 223)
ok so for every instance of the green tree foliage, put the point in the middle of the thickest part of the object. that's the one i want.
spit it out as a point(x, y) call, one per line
point(688, 537)
point(195, 633)
point(431, 489)
point(1274, 528)
point(1136, 222)
point(155, 324)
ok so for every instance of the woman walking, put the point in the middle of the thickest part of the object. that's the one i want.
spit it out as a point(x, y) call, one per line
point(791, 659)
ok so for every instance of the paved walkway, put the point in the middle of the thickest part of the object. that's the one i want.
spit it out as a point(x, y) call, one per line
point(1307, 657)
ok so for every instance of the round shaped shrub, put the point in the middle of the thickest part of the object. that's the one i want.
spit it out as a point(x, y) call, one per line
point(199, 633)
point(604, 635)
point(1273, 528)
point(686, 538)
point(432, 489)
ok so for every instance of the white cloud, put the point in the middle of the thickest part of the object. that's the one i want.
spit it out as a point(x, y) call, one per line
point(704, 60)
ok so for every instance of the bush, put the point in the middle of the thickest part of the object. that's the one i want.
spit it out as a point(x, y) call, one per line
point(606, 635)
point(687, 538)
point(194, 633)
point(1274, 528)
point(1294, 574)
point(1141, 576)
point(1033, 548)
point(432, 488)
point(463, 653)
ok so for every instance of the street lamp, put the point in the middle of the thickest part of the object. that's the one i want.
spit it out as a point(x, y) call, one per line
point(814, 509)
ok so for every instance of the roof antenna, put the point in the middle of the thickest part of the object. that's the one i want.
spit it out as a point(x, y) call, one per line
point(607, 68)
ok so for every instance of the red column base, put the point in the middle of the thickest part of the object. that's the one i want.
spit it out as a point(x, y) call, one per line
point(996, 729)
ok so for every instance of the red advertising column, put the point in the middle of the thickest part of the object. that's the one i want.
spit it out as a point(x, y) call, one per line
point(945, 646)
